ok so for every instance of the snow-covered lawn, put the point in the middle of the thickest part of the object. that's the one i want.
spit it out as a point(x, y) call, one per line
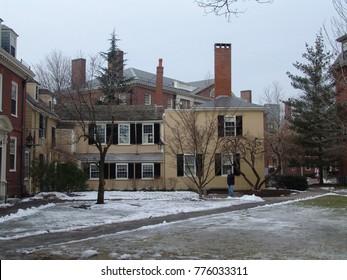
point(81, 211)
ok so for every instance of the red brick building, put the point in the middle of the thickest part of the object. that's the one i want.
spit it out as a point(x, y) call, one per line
point(13, 77)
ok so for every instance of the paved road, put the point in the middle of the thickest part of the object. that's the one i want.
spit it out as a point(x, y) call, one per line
point(127, 233)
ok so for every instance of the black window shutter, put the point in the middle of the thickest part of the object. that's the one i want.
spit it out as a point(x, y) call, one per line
point(156, 170)
point(132, 134)
point(108, 132)
point(112, 170)
point(156, 133)
point(237, 166)
point(138, 171)
point(131, 171)
point(91, 132)
point(218, 164)
point(115, 134)
point(180, 162)
point(238, 125)
point(139, 133)
point(199, 165)
point(85, 168)
point(107, 171)
point(220, 126)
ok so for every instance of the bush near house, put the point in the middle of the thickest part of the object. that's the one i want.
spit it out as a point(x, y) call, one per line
point(291, 182)
point(55, 176)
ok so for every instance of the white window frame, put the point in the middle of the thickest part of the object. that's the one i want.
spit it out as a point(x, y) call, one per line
point(93, 171)
point(125, 170)
point(187, 165)
point(37, 92)
point(229, 126)
point(101, 129)
point(123, 139)
point(1, 92)
point(148, 99)
point(147, 137)
point(123, 98)
point(225, 166)
point(170, 103)
point(144, 171)
point(14, 85)
point(13, 152)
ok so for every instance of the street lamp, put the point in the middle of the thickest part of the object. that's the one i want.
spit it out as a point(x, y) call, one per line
point(160, 144)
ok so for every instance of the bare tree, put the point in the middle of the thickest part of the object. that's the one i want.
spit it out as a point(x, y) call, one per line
point(54, 71)
point(192, 137)
point(250, 150)
point(225, 8)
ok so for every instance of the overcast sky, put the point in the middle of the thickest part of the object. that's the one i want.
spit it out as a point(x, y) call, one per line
point(266, 40)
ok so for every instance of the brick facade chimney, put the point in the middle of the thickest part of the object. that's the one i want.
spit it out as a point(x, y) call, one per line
point(246, 95)
point(78, 78)
point(119, 58)
point(222, 69)
point(158, 97)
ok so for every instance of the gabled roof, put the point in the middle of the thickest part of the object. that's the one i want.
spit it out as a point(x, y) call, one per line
point(231, 102)
point(41, 106)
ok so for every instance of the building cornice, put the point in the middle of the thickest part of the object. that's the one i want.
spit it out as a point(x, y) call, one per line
point(15, 65)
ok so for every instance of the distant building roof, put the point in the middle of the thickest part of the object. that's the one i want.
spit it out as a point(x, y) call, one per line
point(230, 102)
point(130, 113)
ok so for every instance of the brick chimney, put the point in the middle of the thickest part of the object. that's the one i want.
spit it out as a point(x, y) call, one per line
point(222, 69)
point(158, 97)
point(246, 95)
point(119, 58)
point(78, 78)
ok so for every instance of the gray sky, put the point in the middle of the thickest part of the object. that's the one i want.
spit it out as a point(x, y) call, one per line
point(266, 40)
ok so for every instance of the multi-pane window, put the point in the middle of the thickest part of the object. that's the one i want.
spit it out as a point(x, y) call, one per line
point(14, 98)
point(169, 103)
point(184, 104)
point(123, 98)
point(13, 152)
point(0, 92)
point(189, 165)
point(227, 164)
point(147, 170)
point(148, 99)
point(148, 134)
point(124, 133)
point(37, 93)
point(100, 134)
point(229, 126)
point(42, 127)
point(121, 171)
point(94, 171)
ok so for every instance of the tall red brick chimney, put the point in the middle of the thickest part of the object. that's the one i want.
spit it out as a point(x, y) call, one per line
point(119, 59)
point(158, 97)
point(78, 72)
point(222, 69)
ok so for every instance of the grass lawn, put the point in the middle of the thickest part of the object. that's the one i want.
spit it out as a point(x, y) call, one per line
point(330, 201)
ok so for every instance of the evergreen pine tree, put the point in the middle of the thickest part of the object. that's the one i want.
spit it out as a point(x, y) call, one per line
point(111, 78)
point(315, 111)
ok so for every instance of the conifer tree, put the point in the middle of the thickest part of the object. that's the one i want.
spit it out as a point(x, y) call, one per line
point(315, 113)
point(111, 78)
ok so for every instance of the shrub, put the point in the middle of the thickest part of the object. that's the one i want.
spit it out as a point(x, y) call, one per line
point(291, 182)
point(55, 176)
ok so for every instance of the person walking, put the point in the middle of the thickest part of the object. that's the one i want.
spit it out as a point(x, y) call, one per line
point(231, 183)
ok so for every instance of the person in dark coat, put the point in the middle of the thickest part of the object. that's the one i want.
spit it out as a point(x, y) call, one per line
point(231, 183)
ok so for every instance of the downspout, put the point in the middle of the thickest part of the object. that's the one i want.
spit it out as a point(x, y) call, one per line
point(23, 138)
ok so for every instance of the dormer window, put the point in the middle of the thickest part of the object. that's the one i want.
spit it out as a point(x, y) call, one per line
point(37, 93)
point(344, 49)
